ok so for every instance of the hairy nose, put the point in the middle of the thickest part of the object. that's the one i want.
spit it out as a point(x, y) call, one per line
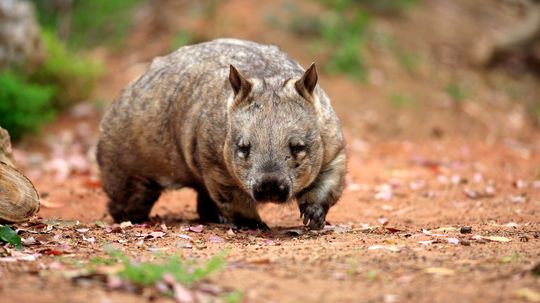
point(271, 187)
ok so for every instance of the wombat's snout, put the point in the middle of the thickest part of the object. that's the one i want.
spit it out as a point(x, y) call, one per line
point(270, 187)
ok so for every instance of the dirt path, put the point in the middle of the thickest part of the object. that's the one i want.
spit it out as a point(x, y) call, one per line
point(395, 235)
point(441, 206)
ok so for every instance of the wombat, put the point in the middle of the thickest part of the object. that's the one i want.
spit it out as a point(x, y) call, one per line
point(239, 122)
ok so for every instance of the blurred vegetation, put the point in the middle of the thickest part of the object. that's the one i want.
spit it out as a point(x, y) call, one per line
point(343, 32)
point(400, 100)
point(384, 6)
point(33, 94)
point(74, 76)
point(456, 92)
point(182, 38)
point(87, 23)
point(24, 106)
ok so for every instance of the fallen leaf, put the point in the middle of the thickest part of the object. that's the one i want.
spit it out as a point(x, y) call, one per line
point(184, 237)
point(442, 271)
point(342, 228)
point(92, 183)
point(382, 220)
point(445, 229)
point(261, 261)
point(20, 257)
point(156, 234)
point(392, 230)
point(518, 199)
point(51, 252)
point(391, 248)
point(453, 240)
point(29, 241)
point(383, 192)
point(89, 239)
point(497, 239)
point(125, 224)
point(215, 239)
point(196, 229)
point(528, 294)
point(48, 204)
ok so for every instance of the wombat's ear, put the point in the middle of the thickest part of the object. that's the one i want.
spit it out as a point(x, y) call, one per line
point(240, 85)
point(306, 85)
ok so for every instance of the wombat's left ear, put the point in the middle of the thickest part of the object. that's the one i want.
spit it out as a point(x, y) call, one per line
point(306, 85)
point(239, 83)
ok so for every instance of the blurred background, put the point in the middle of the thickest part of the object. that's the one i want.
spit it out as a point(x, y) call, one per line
point(395, 69)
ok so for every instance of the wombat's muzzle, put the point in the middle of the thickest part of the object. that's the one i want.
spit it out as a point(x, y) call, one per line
point(271, 188)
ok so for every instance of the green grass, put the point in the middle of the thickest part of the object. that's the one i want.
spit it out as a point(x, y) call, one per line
point(185, 272)
point(181, 38)
point(344, 32)
point(456, 92)
point(386, 6)
point(74, 76)
point(409, 62)
point(400, 101)
point(93, 22)
point(233, 297)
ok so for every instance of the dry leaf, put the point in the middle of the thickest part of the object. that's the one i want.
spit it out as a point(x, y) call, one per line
point(48, 204)
point(196, 229)
point(497, 239)
point(528, 294)
point(442, 271)
point(391, 248)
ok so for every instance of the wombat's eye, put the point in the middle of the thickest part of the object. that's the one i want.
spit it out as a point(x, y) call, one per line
point(297, 147)
point(243, 148)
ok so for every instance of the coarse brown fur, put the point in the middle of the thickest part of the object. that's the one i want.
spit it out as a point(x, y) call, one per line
point(239, 122)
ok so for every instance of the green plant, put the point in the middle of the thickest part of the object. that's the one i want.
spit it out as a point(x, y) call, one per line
point(408, 61)
point(233, 297)
point(24, 106)
point(457, 92)
point(181, 39)
point(95, 22)
point(185, 272)
point(10, 236)
point(72, 75)
point(387, 6)
point(536, 113)
point(399, 100)
point(344, 31)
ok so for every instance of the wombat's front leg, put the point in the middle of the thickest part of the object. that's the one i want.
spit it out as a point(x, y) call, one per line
point(324, 192)
point(239, 208)
point(245, 214)
point(208, 210)
point(131, 197)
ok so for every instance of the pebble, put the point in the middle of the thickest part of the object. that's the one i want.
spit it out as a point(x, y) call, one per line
point(465, 230)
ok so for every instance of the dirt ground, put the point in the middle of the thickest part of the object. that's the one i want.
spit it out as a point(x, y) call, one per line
point(442, 204)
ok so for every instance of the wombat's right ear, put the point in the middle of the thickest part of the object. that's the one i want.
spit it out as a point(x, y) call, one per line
point(240, 85)
point(306, 85)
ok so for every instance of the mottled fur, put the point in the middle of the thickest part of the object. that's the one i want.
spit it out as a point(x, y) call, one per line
point(193, 120)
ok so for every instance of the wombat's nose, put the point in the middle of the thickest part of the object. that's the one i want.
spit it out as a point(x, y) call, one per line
point(271, 188)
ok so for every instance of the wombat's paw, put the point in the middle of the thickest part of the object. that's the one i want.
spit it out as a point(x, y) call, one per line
point(314, 215)
point(248, 223)
point(120, 217)
point(213, 217)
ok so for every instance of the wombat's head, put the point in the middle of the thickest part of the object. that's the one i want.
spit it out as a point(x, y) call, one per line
point(273, 146)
